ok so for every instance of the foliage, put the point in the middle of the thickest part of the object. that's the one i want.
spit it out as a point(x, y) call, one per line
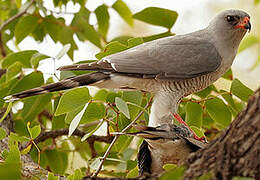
point(77, 109)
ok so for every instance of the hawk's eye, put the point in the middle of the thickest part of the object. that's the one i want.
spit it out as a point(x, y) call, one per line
point(230, 18)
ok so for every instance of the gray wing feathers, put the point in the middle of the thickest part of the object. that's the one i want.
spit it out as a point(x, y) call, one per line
point(175, 57)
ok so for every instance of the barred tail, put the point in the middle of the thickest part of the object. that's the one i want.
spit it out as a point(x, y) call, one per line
point(85, 79)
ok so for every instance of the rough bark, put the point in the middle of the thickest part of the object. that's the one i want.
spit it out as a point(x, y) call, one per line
point(236, 152)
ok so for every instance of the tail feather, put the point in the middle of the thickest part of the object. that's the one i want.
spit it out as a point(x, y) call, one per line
point(100, 66)
point(85, 79)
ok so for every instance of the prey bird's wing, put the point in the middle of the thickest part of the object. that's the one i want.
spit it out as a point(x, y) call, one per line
point(176, 57)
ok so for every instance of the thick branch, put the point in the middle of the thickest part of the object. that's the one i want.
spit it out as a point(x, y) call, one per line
point(235, 152)
point(60, 132)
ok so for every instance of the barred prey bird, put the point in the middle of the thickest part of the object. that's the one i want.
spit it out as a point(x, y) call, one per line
point(170, 67)
point(165, 144)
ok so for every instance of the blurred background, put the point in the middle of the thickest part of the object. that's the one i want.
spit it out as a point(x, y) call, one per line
point(193, 15)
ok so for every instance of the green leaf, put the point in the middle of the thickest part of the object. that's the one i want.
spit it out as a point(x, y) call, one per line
point(13, 70)
point(101, 95)
point(134, 42)
point(35, 131)
point(23, 57)
point(240, 90)
point(175, 174)
point(112, 95)
point(229, 99)
point(102, 19)
point(205, 176)
point(2, 133)
point(38, 34)
point(242, 178)
point(72, 99)
point(121, 8)
point(194, 114)
point(197, 131)
point(94, 111)
point(58, 122)
point(14, 153)
point(157, 16)
point(65, 36)
point(111, 48)
point(57, 161)
point(84, 29)
point(70, 115)
point(27, 149)
point(95, 164)
point(10, 171)
point(247, 42)
point(133, 173)
point(63, 51)
point(169, 167)
point(9, 107)
point(36, 58)
point(75, 121)
point(228, 75)
point(122, 106)
point(51, 176)
point(29, 81)
point(24, 27)
point(257, 1)
point(134, 99)
point(205, 92)
point(157, 36)
point(122, 39)
point(218, 111)
point(18, 138)
point(77, 175)
point(86, 136)
point(52, 27)
point(33, 106)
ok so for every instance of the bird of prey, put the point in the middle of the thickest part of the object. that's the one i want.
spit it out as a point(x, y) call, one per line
point(170, 67)
point(165, 144)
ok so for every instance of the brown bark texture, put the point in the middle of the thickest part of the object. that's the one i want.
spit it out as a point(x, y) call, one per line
point(236, 152)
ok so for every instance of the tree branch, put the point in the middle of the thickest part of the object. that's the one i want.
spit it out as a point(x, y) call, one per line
point(60, 132)
point(2, 48)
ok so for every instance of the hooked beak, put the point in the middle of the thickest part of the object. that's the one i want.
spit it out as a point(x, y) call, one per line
point(244, 24)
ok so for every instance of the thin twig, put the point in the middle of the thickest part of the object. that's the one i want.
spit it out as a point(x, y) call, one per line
point(117, 136)
point(8, 21)
point(206, 99)
point(2, 48)
point(60, 132)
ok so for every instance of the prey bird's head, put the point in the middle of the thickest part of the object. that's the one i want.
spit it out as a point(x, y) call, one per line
point(232, 21)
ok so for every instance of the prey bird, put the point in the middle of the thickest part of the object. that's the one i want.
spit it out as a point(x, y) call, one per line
point(170, 67)
point(165, 144)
